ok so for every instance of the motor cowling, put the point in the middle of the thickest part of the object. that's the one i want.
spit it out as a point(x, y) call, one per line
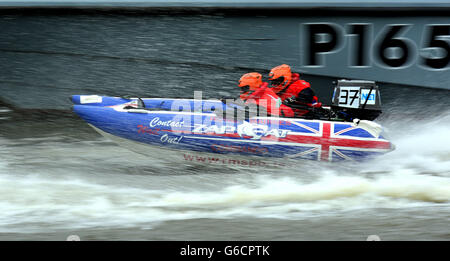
point(356, 99)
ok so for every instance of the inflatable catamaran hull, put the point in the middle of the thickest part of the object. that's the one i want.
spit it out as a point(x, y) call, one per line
point(202, 135)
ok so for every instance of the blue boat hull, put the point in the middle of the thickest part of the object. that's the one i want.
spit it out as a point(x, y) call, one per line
point(201, 131)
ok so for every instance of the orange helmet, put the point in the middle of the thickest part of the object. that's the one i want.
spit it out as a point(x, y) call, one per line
point(280, 77)
point(249, 83)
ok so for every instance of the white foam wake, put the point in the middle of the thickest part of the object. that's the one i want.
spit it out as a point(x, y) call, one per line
point(416, 174)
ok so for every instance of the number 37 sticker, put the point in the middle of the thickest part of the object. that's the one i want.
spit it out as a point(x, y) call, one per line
point(352, 97)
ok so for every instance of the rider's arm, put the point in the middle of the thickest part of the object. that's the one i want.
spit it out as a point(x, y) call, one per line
point(306, 96)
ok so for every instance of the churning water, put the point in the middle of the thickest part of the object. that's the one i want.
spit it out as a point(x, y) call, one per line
point(61, 177)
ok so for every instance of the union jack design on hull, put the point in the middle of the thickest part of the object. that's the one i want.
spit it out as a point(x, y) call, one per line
point(316, 140)
point(336, 141)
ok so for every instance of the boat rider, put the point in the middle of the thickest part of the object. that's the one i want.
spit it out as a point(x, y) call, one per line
point(254, 90)
point(293, 91)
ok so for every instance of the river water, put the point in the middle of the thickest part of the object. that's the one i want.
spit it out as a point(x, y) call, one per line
point(58, 177)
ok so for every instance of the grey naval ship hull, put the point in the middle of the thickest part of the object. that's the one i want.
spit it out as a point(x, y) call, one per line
point(156, 49)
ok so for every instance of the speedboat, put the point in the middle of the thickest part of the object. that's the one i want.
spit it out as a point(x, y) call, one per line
point(203, 131)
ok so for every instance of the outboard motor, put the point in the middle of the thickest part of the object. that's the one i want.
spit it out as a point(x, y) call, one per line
point(356, 99)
